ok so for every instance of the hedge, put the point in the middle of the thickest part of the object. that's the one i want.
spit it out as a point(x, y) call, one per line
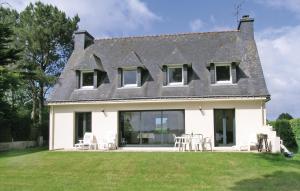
point(285, 132)
point(295, 124)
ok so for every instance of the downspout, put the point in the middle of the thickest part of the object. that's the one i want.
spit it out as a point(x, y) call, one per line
point(263, 113)
point(52, 128)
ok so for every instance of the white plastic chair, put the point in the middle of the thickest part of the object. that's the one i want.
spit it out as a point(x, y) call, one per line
point(186, 142)
point(109, 142)
point(177, 142)
point(196, 142)
point(87, 142)
point(207, 141)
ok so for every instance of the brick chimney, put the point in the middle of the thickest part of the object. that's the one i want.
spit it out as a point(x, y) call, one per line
point(246, 27)
point(82, 40)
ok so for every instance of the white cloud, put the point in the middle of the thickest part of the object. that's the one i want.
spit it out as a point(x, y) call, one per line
point(196, 25)
point(292, 5)
point(279, 53)
point(103, 17)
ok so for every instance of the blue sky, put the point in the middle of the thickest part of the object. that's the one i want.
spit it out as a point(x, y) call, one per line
point(277, 30)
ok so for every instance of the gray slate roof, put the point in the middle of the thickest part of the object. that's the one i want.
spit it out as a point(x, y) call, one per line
point(197, 49)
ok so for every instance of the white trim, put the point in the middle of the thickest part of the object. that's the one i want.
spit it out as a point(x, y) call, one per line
point(81, 79)
point(223, 81)
point(168, 76)
point(172, 100)
point(129, 85)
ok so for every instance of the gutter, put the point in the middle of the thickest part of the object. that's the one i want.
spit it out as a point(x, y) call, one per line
point(159, 100)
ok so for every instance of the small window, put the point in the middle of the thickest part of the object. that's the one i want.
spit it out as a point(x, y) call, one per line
point(129, 77)
point(223, 73)
point(175, 76)
point(87, 79)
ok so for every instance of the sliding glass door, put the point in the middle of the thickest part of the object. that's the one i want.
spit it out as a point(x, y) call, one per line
point(150, 127)
point(83, 124)
point(224, 122)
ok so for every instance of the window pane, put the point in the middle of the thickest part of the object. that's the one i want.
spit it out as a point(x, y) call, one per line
point(151, 127)
point(129, 77)
point(175, 75)
point(87, 79)
point(223, 73)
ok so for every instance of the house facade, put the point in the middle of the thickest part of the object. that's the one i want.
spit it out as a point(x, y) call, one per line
point(146, 90)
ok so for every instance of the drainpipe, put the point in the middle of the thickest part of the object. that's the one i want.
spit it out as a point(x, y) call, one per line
point(51, 133)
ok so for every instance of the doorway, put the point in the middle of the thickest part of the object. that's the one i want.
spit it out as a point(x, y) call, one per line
point(224, 125)
point(83, 124)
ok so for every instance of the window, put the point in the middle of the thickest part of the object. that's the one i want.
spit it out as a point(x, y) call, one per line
point(129, 78)
point(175, 75)
point(223, 73)
point(87, 79)
point(155, 127)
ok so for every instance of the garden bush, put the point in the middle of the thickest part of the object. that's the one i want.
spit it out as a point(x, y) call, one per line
point(285, 132)
point(295, 124)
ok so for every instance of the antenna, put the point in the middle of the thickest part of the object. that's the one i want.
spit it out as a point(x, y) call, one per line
point(237, 9)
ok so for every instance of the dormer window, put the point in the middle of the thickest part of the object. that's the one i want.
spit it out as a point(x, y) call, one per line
point(223, 73)
point(129, 78)
point(175, 75)
point(87, 79)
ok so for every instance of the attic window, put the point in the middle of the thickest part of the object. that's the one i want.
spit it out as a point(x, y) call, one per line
point(175, 75)
point(223, 73)
point(87, 79)
point(129, 77)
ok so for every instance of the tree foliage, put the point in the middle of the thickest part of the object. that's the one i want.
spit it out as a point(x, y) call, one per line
point(44, 34)
point(285, 132)
point(286, 116)
point(8, 78)
point(295, 124)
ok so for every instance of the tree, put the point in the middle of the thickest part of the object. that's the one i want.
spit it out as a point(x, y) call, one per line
point(8, 78)
point(45, 33)
point(284, 116)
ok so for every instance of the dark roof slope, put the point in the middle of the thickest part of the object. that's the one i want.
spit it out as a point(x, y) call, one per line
point(152, 52)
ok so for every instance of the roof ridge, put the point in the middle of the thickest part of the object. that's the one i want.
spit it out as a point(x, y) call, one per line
point(162, 35)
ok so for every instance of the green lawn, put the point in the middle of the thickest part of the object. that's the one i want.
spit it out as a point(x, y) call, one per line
point(44, 170)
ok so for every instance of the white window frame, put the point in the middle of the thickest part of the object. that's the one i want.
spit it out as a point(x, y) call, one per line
point(123, 80)
point(81, 79)
point(168, 76)
point(223, 81)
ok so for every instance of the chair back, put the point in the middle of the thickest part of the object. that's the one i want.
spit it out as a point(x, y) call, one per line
point(111, 138)
point(88, 138)
point(207, 140)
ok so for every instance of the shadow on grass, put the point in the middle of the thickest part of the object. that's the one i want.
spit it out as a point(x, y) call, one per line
point(279, 180)
point(20, 152)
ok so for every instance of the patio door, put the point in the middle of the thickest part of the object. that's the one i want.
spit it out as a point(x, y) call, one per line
point(224, 125)
point(83, 124)
point(153, 127)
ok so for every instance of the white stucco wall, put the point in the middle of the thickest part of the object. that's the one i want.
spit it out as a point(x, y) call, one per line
point(249, 115)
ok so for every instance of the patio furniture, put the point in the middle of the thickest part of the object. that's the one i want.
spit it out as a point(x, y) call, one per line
point(186, 142)
point(196, 142)
point(87, 142)
point(177, 142)
point(262, 140)
point(107, 143)
point(207, 142)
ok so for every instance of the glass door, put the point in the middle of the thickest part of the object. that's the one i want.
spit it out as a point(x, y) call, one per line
point(224, 125)
point(157, 127)
point(83, 124)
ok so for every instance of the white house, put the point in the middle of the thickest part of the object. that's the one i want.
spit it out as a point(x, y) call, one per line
point(146, 89)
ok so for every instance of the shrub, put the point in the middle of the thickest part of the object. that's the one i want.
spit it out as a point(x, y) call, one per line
point(295, 124)
point(285, 132)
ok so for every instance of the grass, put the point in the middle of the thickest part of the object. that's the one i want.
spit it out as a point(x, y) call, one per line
point(44, 170)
